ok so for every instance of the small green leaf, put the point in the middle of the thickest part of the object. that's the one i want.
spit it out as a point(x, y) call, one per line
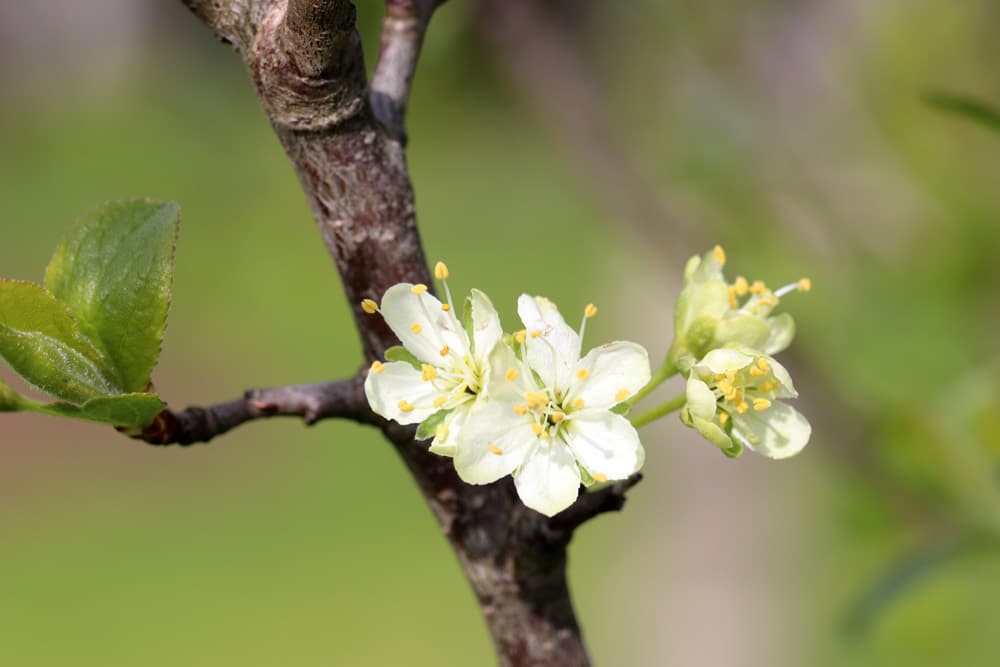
point(135, 410)
point(622, 409)
point(428, 427)
point(113, 271)
point(400, 353)
point(42, 342)
point(970, 108)
point(10, 400)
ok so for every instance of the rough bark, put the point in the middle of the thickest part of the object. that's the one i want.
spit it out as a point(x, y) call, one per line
point(305, 60)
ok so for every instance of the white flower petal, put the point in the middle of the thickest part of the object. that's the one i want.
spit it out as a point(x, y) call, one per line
point(553, 348)
point(785, 387)
point(782, 333)
point(605, 444)
point(421, 325)
point(549, 480)
point(492, 443)
point(724, 359)
point(486, 329)
point(508, 378)
point(778, 432)
point(453, 425)
point(609, 374)
point(701, 400)
point(397, 382)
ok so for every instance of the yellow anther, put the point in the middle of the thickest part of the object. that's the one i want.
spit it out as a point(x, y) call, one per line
point(805, 284)
point(537, 428)
point(419, 289)
point(519, 336)
point(494, 449)
point(441, 271)
point(761, 404)
point(590, 310)
point(582, 373)
point(768, 300)
point(770, 385)
point(536, 398)
point(725, 385)
point(599, 477)
point(758, 287)
point(536, 333)
point(557, 417)
point(622, 395)
point(446, 307)
point(742, 407)
point(520, 409)
point(719, 376)
point(511, 374)
point(732, 395)
point(427, 372)
point(733, 303)
point(405, 406)
point(740, 286)
point(723, 418)
point(719, 254)
point(377, 367)
point(578, 403)
point(416, 328)
point(756, 372)
point(544, 435)
point(369, 306)
point(763, 364)
point(440, 400)
point(441, 432)
point(443, 351)
point(731, 374)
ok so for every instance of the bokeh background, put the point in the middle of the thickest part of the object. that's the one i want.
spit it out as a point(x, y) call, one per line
point(577, 149)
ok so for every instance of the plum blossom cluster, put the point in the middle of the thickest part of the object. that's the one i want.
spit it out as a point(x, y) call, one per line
point(725, 336)
point(526, 404)
point(530, 404)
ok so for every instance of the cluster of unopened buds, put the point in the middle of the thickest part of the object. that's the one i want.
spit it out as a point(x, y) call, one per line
point(531, 405)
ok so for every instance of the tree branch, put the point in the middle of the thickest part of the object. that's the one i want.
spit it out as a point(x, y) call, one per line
point(609, 499)
point(311, 402)
point(403, 30)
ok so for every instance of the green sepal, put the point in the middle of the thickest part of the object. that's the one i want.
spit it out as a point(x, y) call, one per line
point(400, 353)
point(585, 477)
point(428, 427)
point(622, 409)
point(735, 451)
point(467, 323)
point(127, 410)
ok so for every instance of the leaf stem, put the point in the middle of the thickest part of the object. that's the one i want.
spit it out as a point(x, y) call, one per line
point(674, 404)
point(663, 373)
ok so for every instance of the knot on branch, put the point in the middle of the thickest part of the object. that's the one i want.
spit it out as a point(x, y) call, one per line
point(308, 66)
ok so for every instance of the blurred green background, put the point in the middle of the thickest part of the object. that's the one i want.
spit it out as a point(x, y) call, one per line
point(576, 149)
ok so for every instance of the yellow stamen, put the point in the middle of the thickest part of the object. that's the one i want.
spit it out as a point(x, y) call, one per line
point(441, 271)
point(590, 310)
point(441, 432)
point(369, 306)
point(444, 351)
point(725, 385)
point(440, 400)
point(494, 449)
point(733, 303)
point(416, 328)
point(719, 254)
point(520, 409)
point(544, 435)
point(537, 428)
point(536, 333)
point(756, 372)
point(536, 398)
point(557, 417)
point(419, 289)
point(427, 372)
point(758, 287)
point(446, 307)
point(740, 286)
point(742, 407)
point(622, 395)
point(762, 364)
point(405, 406)
point(761, 404)
point(805, 284)
point(732, 395)
point(377, 367)
point(582, 373)
point(723, 418)
point(578, 403)
point(770, 385)
point(519, 336)
point(599, 477)
point(511, 374)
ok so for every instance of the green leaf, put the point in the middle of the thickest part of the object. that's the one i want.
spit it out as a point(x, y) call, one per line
point(10, 400)
point(400, 353)
point(42, 342)
point(113, 271)
point(428, 427)
point(968, 107)
point(135, 410)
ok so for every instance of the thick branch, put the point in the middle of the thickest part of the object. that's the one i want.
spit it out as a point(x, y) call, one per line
point(316, 33)
point(403, 30)
point(589, 505)
point(311, 402)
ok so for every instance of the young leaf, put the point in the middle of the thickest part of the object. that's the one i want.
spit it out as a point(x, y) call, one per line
point(133, 410)
point(113, 271)
point(42, 342)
